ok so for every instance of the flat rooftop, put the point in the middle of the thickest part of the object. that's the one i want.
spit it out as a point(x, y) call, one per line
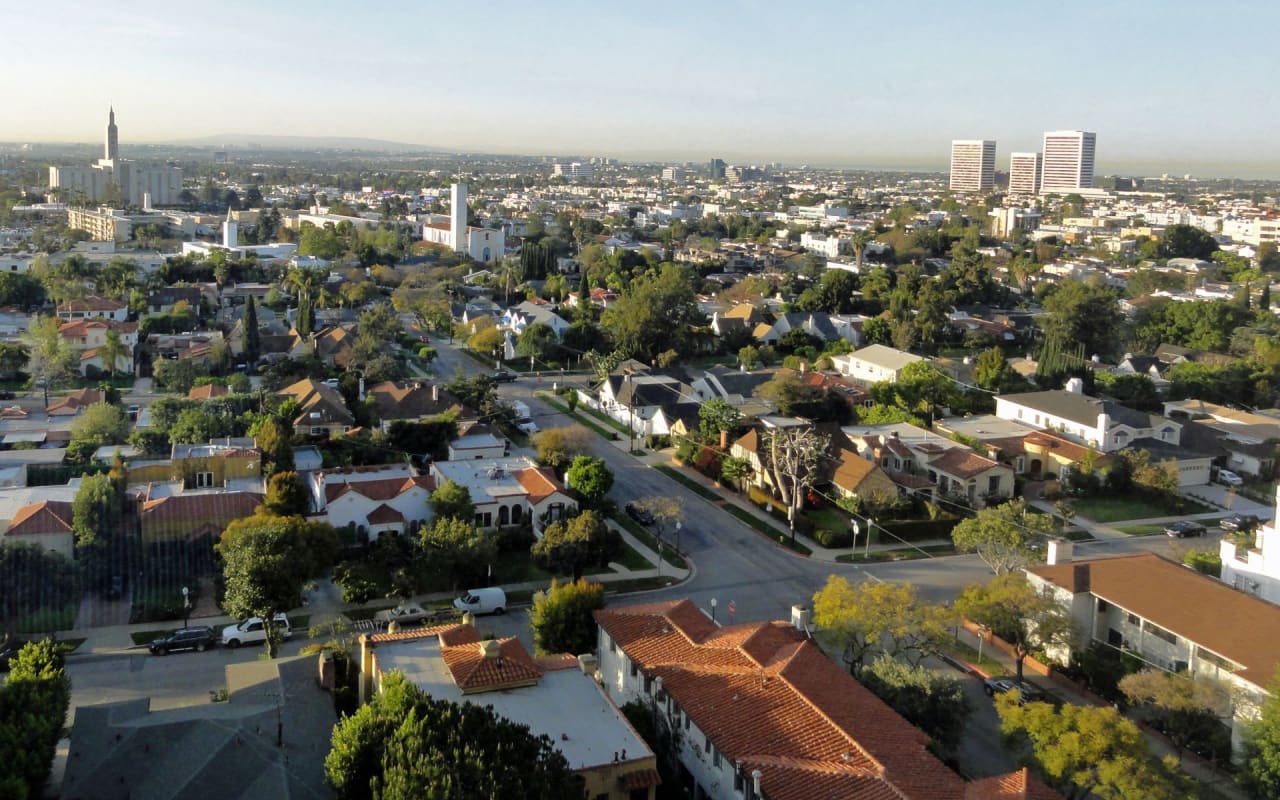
point(583, 724)
point(985, 426)
point(487, 477)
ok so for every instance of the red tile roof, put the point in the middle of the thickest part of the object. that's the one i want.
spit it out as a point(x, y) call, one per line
point(47, 516)
point(383, 514)
point(814, 732)
point(1020, 785)
point(474, 672)
point(73, 402)
point(961, 462)
point(207, 392)
point(381, 490)
point(539, 482)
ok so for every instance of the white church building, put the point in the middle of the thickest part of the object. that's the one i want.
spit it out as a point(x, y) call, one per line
point(481, 244)
point(230, 245)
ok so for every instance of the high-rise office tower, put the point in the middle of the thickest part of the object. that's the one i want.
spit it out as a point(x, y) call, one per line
point(973, 165)
point(113, 137)
point(1067, 161)
point(715, 167)
point(1024, 173)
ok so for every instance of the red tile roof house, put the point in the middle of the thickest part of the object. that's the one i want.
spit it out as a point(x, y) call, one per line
point(46, 523)
point(764, 715)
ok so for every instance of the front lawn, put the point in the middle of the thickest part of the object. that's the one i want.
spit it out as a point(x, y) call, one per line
point(1116, 509)
point(46, 620)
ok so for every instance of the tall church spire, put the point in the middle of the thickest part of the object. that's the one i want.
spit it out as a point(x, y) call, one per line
point(113, 139)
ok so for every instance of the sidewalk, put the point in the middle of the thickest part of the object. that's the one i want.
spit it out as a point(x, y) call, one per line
point(324, 603)
point(1195, 767)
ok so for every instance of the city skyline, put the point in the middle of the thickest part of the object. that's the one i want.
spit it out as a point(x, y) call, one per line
point(577, 79)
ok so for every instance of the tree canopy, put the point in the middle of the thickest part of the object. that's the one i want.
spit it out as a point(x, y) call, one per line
point(405, 745)
point(569, 546)
point(453, 501)
point(562, 618)
point(591, 478)
point(559, 446)
point(1011, 607)
point(1003, 536)
point(1085, 314)
point(877, 616)
point(33, 710)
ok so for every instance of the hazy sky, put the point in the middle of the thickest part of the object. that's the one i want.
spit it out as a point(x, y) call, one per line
point(1168, 86)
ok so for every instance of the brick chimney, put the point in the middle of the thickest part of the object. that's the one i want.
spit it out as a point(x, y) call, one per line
point(1079, 578)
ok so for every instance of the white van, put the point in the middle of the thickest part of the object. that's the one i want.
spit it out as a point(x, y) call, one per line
point(483, 601)
point(251, 631)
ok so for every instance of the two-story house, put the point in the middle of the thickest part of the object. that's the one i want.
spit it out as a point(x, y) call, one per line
point(876, 363)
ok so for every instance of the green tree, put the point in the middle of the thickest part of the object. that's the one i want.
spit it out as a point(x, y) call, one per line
point(266, 562)
point(934, 702)
point(252, 335)
point(1262, 746)
point(34, 579)
point(1187, 241)
point(453, 548)
point(920, 388)
point(112, 351)
point(878, 617)
point(453, 501)
point(51, 361)
point(96, 511)
point(1086, 314)
point(287, 495)
point(992, 370)
point(101, 424)
point(1004, 536)
point(404, 744)
point(562, 618)
point(1011, 607)
point(715, 416)
point(655, 314)
point(1089, 751)
point(877, 330)
point(13, 358)
point(570, 546)
point(272, 440)
point(539, 341)
point(1184, 707)
point(34, 701)
point(591, 478)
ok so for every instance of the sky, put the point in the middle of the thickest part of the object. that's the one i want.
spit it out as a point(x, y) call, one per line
point(1167, 86)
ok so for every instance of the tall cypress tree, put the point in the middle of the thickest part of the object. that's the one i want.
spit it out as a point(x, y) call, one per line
point(252, 340)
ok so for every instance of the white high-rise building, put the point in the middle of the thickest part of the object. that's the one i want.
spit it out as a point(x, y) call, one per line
point(1024, 173)
point(973, 165)
point(1067, 163)
point(116, 180)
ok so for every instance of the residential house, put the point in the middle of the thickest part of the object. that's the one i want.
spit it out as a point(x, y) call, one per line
point(1032, 452)
point(411, 402)
point(74, 402)
point(824, 327)
point(554, 695)
point(508, 491)
point(1172, 618)
point(189, 516)
point(876, 363)
point(87, 337)
point(477, 442)
point(377, 506)
point(519, 317)
point(1247, 441)
point(921, 461)
point(1104, 424)
point(856, 476)
point(94, 307)
point(165, 299)
point(234, 464)
point(1254, 569)
point(268, 740)
point(331, 346)
point(1173, 354)
point(47, 524)
point(978, 480)
point(634, 399)
point(208, 391)
point(761, 712)
point(322, 412)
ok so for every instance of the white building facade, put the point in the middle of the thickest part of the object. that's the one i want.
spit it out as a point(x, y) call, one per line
point(973, 165)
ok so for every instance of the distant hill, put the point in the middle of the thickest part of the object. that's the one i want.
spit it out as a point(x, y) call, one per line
point(267, 141)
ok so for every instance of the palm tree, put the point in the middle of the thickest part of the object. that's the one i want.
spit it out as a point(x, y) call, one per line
point(860, 241)
point(113, 350)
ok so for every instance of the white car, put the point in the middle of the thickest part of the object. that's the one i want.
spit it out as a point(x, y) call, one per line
point(527, 426)
point(1229, 478)
point(251, 631)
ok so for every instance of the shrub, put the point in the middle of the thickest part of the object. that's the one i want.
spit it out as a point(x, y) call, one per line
point(833, 539)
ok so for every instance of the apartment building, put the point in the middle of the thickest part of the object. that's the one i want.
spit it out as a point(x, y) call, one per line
point(973, 165)
point(1067, 161)
point(1024, 173)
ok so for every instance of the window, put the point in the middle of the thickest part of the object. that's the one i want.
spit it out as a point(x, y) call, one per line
point(317, 430)
point(1133, 619)
point(715, 759)
point(1103, 605)
point(993, 484)
point(707, 744)
point(204, 480)
point(1161, 633)
point(635, 671)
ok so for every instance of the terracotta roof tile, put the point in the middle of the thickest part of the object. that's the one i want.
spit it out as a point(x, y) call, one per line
point(383, 514)
point(474, 672)
point(47, 516)
point(539, 482)
point(962, 463)
point(1020, 785)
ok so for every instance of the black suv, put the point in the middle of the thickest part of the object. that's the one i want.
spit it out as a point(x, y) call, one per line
point(638, 514)
point(503, 376)
point(198, 639)
point(1183, 528)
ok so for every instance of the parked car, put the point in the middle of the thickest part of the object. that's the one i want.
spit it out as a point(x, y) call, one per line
point(251, 631)
point(5, 394)
point(133, 411)
point(491, 600)
point(1240, 522)
point(527, 426)
point(198, 639)
point(1229, 478)
point(1183, 528)
point(504, 376)
point(9, 648)
point(1026, 692)
point(401, 615)
point(638, 514)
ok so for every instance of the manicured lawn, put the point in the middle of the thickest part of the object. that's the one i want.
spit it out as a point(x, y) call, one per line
point(1142, 530)
point(642, 533)
point(1115, 509)
point(49, 619)
point(689, 483)
point(631, 559)
point(555, 403)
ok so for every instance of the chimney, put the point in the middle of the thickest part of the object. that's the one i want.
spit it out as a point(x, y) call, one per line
point(490, 648)
point(587, 663)
point(1059, 551)
point(800, 618)
point(756, 775)
point(366, 669)
point(435, 392)
point(724, 440)
point(1079, 578)
point(1075, 386)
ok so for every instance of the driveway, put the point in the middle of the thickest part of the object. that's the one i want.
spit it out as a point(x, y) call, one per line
point(1229, 499)
point(97, 611)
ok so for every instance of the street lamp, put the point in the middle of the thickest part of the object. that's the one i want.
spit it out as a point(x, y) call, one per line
point(853, 550)
point(186, 606)
point(678, 526)
point(713, 609)
point(659, 556)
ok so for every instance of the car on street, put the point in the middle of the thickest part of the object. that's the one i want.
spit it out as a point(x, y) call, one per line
point(9, 648)
point(1026, 692)
point(1184, 528)
point(401, 615)
point(198, 638)
point(638, 514)
point(1240, 522)
point(5, 394)
point(503, 376)
point(251, 631)
point(1228, 478)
